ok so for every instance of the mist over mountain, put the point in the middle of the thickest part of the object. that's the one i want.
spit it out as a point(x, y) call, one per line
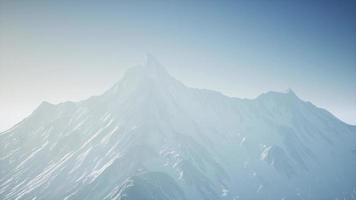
point(152, 137)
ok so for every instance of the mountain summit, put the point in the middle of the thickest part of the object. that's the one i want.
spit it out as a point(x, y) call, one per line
point(152, 63)
point(151, 137)
point(147, 76)
point(150, 68)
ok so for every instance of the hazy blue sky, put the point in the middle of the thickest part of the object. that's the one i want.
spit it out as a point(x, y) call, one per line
point(70, 50)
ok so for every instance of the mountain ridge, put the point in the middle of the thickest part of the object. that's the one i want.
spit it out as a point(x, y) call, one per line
point(150, 129)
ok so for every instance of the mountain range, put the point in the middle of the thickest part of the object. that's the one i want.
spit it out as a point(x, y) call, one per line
point(150, 137)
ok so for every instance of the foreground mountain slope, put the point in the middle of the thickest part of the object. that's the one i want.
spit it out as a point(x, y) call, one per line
point(151, 137)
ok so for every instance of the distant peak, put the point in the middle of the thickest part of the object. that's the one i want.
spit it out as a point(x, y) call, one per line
point(151, 62)
point(150, 71)
point(290, 92)
point(152, 66)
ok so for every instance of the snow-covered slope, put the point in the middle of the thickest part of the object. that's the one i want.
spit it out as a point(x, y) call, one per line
point(151, 137)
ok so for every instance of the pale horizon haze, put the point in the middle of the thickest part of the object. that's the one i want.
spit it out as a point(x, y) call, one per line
point(60, 51)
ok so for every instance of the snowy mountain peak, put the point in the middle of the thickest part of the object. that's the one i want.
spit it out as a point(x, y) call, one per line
point(150, 60)
point(150, 136)
point(151, 74)
point(290, 92)
point(288, 95)
point(152, 66)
